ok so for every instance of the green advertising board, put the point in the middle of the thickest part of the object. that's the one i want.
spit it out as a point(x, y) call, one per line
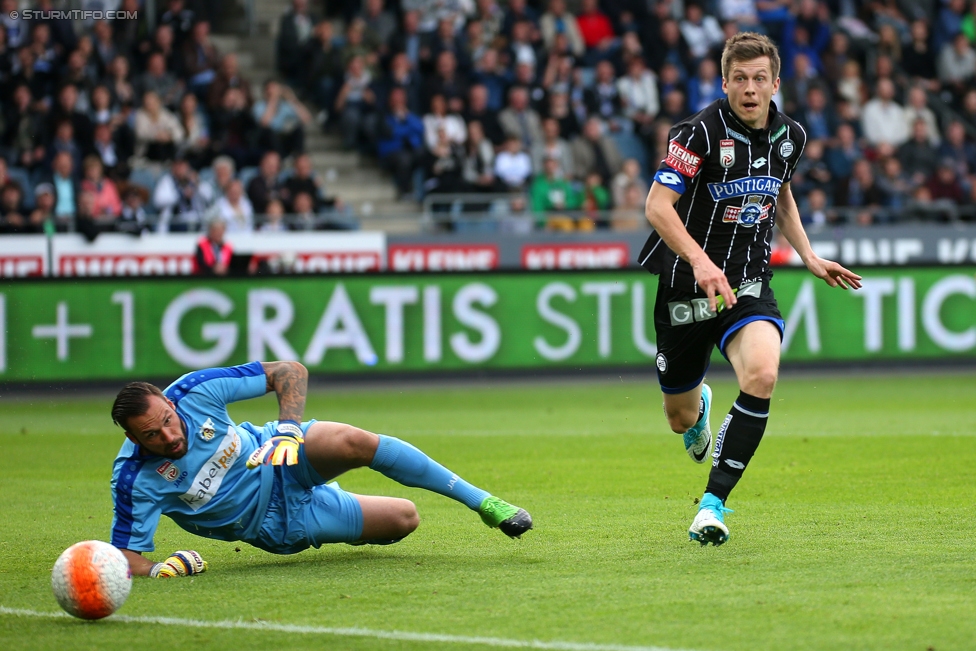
point(145, 327)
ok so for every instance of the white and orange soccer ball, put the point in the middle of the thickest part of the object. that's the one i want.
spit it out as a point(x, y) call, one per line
point(91, 579)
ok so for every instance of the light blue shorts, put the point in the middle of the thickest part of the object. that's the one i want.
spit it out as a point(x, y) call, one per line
point(303, 510)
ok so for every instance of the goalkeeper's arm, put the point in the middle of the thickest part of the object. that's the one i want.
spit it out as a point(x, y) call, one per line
point(289, 381)
point(181, 563)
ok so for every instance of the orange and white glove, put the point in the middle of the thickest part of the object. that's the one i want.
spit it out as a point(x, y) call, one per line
point(281, 449)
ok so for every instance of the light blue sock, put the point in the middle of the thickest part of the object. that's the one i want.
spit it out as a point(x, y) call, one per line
point(404, 463)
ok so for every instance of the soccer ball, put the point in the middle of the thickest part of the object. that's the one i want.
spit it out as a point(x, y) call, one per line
point(91, 579)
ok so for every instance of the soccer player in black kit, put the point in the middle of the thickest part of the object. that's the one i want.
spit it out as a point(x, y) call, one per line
point(714, 200)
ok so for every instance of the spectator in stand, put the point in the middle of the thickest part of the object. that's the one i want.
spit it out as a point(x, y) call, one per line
point(918, 59)
point(493, 77)
point(674, 109)
point(447, 82)
point(134, 219)
point(918, 156)
point(562, 113)
point(303, 179)
point(158, 131)
point(628, 214)
point(128, 34)
point(409, 41)
point(628, 177)
point(444, 165)
point(266, 185)
point(669, 47)
point(401, 141)
point(235, 210)
point(356, 46)
point(521, 47)
point(179, 19)
point(90, 224)
point(883, 119)
point(446, 39)
point(701, 32)
point(322, 64)
point(597, 32)
point(817, 117)
point(474, 43)
point(232, 129)
point(491, 16)
point(381, 24)
point(559, 21)
point(917, 109)
point(841, 157)
point(478, 111)
point(13, 213)
point(596, 153)
point(595, 198)
point(281, 119)
point(552, 146)
point(107, 203)
point(118, 82)
point(180, 199)
point(66, 189)
point(639, 97)
point(526, 78)
point(706, 87)
point(200, 59)
point(355, 102)
point(213, 254)
point(274, 219)
point(64, 141)
point(66, 110)
point(100, 110)
point(104, 45)
point(551, 191)
point(401, 75)
point(814, 210)
point(895, 185)
point(944, 185)
point(478, 171)
point(439, 122)
point(519, 120)
point(958, 150)
point(42, 217)
point(45, 57)
point(223, 172)
point(794, 89)
point(968, 111)
point(23, 136)
point(164, 43)
point(303, 217)
point(196, 146)
point(294, 33)
point(812, 172)
point(228, 76)
point(742, 13)
point(513, 167)
point(861, 190)
point(957, 65)
point(603, 99)
point(518, 11)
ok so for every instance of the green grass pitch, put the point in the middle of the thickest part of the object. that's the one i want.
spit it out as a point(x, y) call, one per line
point(852, 527)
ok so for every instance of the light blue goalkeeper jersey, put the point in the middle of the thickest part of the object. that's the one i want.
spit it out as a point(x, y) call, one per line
point(209, 491)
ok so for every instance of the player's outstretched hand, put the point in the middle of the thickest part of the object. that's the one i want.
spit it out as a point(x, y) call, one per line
point(834, 274)
point(181, 563)
point(711, 279)
point(281, 449)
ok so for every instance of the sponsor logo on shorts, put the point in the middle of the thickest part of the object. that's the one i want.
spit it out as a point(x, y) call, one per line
point(683, 160)
point(786, 149)
point(685, 312)
point(750, 288)
point(662, 363)
point(168, 471)
point(726, 153)
point(207, 430)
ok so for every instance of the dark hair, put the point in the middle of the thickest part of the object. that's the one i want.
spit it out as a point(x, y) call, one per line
point(133, 400)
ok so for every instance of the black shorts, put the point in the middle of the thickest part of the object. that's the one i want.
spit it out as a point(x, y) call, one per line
point(687, 330)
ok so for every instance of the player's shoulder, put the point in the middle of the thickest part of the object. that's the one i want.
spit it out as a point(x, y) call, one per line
point(702, 120)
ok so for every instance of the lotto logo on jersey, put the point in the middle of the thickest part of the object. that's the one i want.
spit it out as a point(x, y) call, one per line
point(168, 471)
point(682, 160)
point(753, 212)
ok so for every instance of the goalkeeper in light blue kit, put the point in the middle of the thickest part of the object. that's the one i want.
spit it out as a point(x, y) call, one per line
point(264, 485)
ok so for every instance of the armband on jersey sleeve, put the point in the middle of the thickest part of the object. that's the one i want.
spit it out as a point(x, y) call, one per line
point(671, 180)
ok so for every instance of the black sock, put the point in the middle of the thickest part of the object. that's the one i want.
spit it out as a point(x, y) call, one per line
point(736, 442)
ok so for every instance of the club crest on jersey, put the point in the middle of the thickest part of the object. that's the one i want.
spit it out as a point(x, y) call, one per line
point(726, 153)
point(207, 430)
point(682, 160)
point(786, 149)
point(168, 471)
point(750, 214)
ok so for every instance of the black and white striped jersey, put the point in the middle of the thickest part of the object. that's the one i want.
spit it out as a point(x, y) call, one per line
point(729, 177)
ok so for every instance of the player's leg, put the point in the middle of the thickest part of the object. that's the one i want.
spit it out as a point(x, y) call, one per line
point(333, 448)
point(753, 351)
point(386, 519)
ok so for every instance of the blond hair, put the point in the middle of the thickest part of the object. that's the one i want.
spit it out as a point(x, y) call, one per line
point(746, 46)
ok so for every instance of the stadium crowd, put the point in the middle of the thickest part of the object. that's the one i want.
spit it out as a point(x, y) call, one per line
point(568, 103)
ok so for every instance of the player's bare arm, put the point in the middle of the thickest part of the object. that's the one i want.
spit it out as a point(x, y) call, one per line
point(289, 381)
point(660, 212)
point(788, 219)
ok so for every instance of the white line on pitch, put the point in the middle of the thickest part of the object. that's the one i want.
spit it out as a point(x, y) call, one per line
point(403, 636)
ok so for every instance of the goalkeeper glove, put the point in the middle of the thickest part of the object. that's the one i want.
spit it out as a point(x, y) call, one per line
point(279, 449)
point(181, 563)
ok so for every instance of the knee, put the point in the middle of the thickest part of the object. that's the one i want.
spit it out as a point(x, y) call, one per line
point(407, 517)
point(760, 382)
point(354, 444)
